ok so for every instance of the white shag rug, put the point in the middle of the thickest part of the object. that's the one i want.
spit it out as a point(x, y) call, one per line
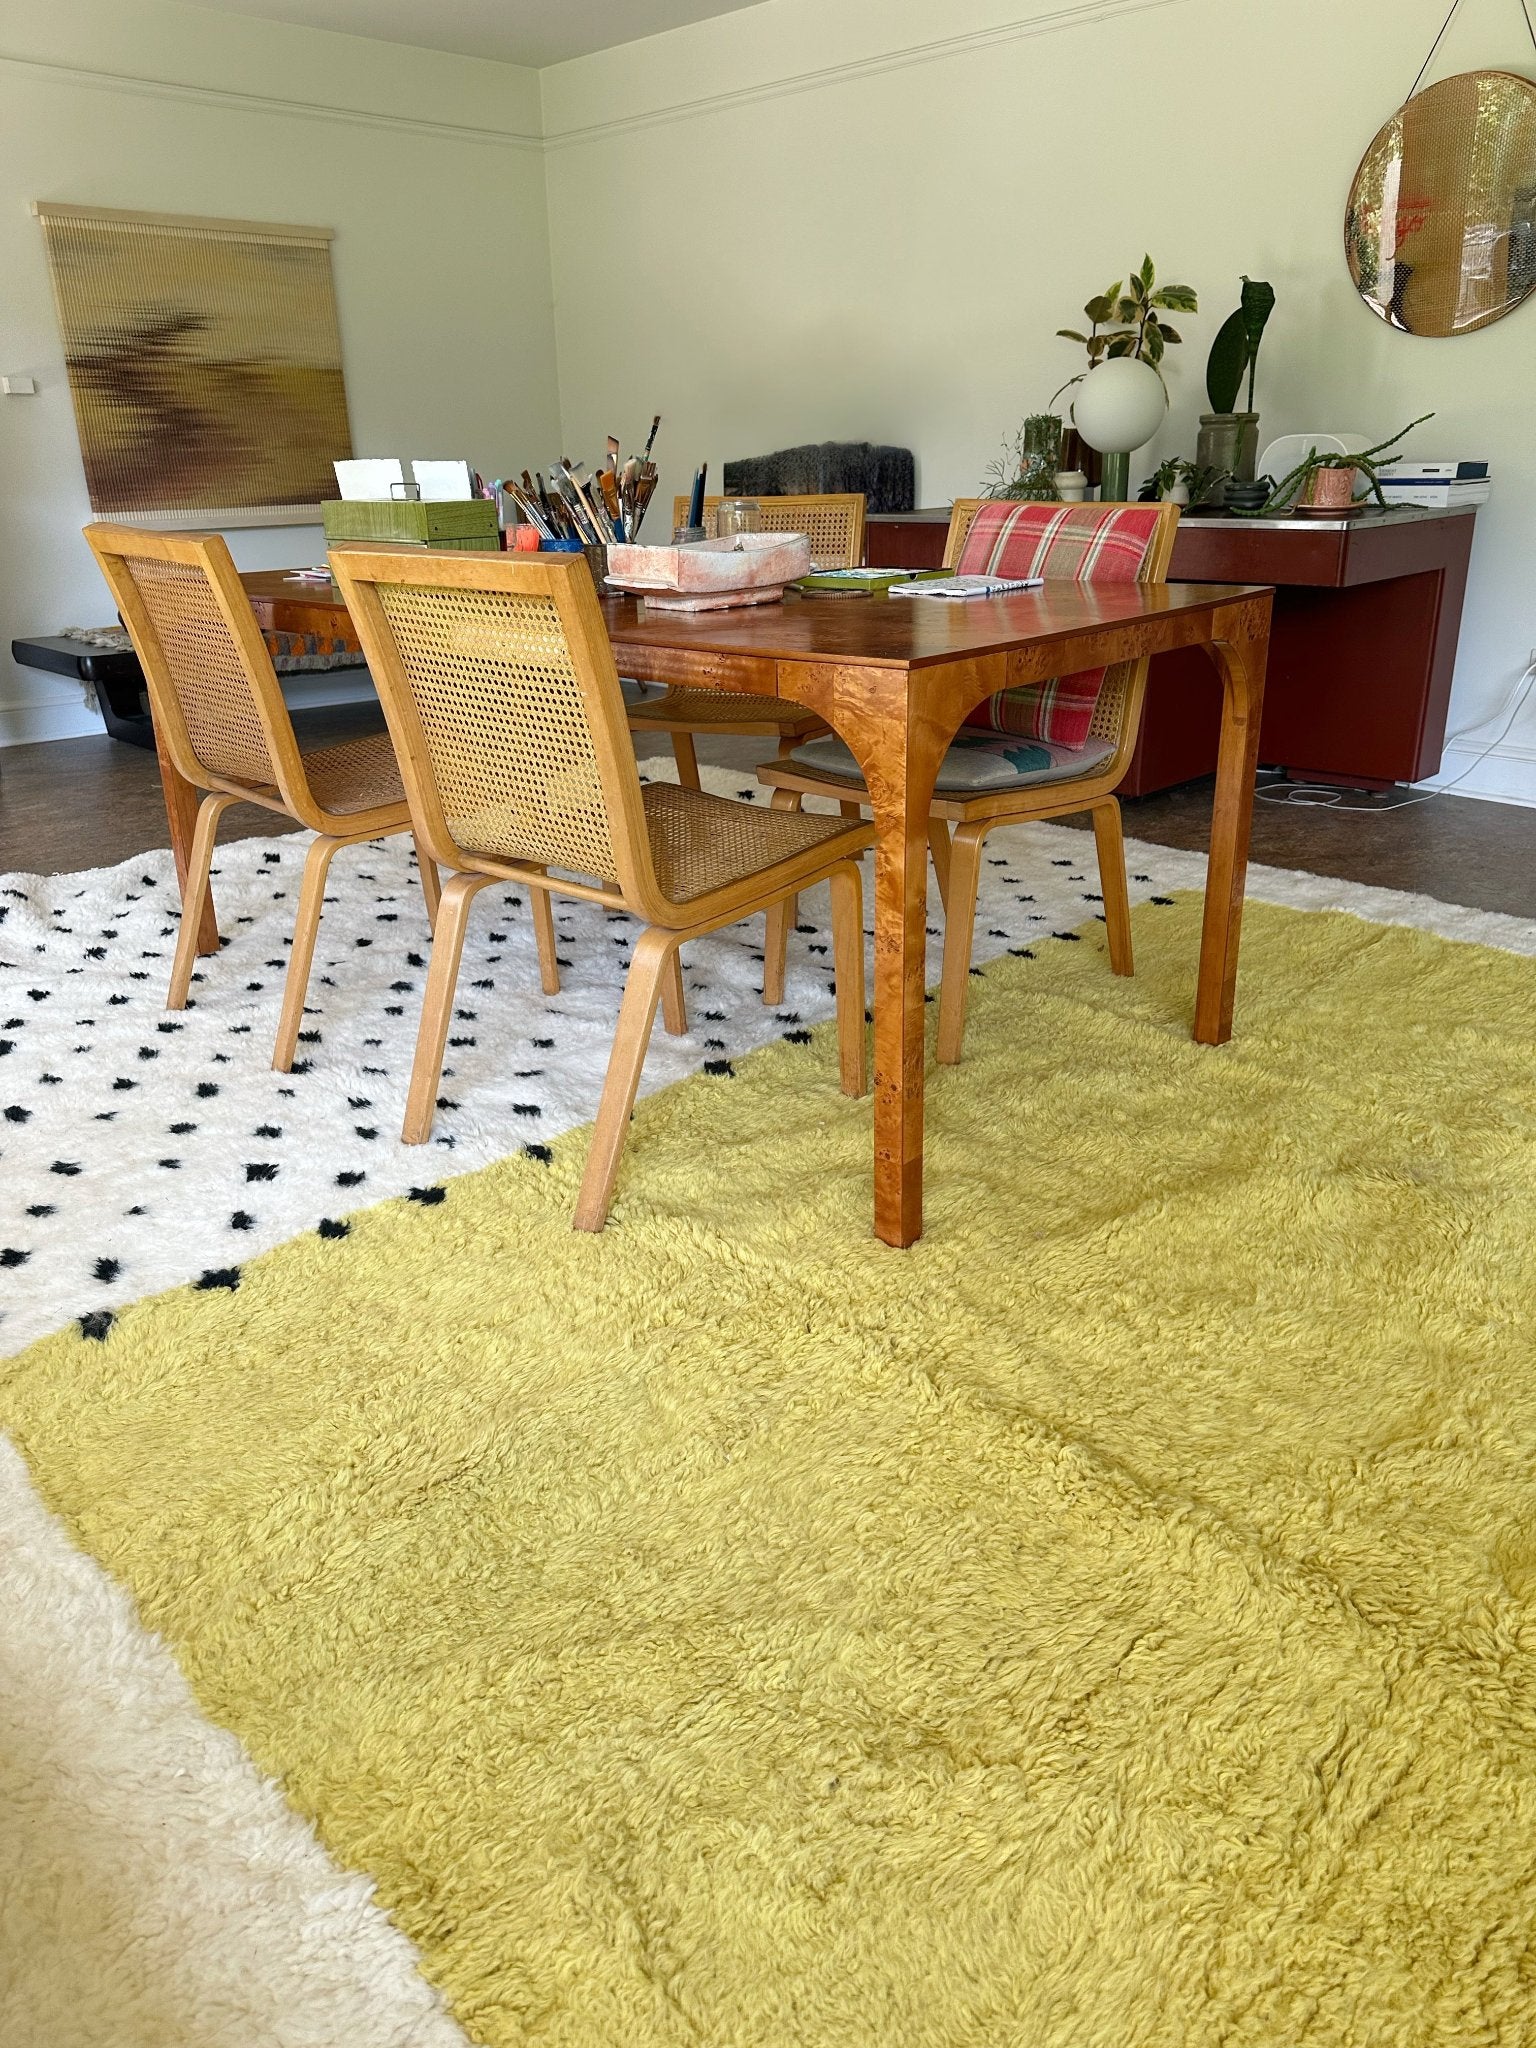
point(155, 1891)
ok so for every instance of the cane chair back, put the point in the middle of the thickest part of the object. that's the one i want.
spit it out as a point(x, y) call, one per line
point(833, 521)
point(498, 682)
point(218, 706)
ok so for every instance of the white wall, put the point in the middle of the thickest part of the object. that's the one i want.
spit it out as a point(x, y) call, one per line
point(807, 219)
point(427, 166)
point(868, 219)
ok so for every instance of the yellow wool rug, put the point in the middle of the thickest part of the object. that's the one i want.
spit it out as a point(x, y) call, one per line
point(1112, 1623)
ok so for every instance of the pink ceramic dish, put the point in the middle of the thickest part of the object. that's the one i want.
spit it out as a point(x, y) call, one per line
point(745, 566)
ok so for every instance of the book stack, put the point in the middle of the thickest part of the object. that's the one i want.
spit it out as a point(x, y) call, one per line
point(1439, 486)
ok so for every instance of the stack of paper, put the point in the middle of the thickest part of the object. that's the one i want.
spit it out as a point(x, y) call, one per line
point(369, 477)
point(1439, 486)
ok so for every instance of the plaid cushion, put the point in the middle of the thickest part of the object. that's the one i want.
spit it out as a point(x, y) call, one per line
point(1066, 543)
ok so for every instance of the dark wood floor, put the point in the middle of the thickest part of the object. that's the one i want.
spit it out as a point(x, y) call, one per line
point(69, 804)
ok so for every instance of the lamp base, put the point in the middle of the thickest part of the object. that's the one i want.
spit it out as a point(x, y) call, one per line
point(1115, 482)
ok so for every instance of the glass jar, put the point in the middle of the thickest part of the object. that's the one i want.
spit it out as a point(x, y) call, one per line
point(737, 515)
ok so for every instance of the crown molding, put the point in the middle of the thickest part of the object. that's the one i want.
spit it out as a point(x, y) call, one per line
point(262, 103)
point(1068, 14)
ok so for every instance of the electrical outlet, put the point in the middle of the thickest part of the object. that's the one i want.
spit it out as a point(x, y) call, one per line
point(18, 387)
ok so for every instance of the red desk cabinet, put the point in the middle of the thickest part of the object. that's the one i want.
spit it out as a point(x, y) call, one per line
point(1367, 616)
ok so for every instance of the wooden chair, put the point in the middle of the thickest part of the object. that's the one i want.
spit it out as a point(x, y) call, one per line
point(835, 523)
point(220, 719)
point(498, 681)
point(1116, 720)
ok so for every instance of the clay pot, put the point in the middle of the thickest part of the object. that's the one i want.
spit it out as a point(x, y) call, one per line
point(1334, 488)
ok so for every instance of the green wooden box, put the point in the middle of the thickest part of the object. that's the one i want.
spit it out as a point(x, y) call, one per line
point(457, 523)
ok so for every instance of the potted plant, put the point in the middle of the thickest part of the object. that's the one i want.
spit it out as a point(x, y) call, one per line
point(1123, 396)
point(1178, 482)
point(1229, 439)
point(1330, 482)
point(1027, 468)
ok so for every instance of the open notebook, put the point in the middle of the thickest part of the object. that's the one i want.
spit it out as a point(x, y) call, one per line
point(968, 586)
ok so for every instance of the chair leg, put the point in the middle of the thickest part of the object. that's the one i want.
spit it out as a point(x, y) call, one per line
point(959, 926)
point(195, 895)
point(431, 881)
point(938, 846)
point(848, 955)
point(782, 918)
point(687, 760)
point(306, 927)
point(674, 1003)
point(1110, 841)
point(437, 1008)
point(648, 972)
point(846, 808)
point(544, 933)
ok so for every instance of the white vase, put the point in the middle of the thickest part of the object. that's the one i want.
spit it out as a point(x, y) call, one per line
point(1119, 406)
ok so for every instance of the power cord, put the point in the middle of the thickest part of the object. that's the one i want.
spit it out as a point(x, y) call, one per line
point(1319, 796)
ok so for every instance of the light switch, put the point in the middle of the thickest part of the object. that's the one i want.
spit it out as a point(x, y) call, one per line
point(19, 387)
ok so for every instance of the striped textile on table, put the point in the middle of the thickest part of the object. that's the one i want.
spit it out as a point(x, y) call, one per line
point(1062, 543)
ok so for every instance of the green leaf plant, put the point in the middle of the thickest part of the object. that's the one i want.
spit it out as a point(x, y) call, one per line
point(1236, 347)
point(1126, 321)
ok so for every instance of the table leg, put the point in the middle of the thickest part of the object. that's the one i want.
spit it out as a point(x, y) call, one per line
point(899, 750)
point(1240, 651)
point(181, 802)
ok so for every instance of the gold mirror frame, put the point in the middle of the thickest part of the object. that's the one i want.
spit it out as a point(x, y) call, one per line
point(1441, 228)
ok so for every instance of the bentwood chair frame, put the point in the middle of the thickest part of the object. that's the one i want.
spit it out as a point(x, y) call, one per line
point(498, 681)
point(834, 520)
point(957, 862)
point(221, 721)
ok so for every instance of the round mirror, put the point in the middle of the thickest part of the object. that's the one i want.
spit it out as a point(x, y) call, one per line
point(1441, 228)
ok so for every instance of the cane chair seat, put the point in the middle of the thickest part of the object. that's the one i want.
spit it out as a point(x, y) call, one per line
point(222, 725)
point(701, 843)
point(355, 775)
point(497, 677)
point(976, 763)
point(720, 711)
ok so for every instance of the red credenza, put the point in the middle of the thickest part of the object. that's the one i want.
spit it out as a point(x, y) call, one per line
point(1367, 616)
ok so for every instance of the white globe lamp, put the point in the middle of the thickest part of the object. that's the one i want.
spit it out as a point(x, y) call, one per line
point(1119, 406)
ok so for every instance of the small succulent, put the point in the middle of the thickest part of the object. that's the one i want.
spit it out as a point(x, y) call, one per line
point(1127, 320)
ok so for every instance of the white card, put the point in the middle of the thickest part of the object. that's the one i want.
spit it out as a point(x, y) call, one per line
point(442, 482)
point(368, 477)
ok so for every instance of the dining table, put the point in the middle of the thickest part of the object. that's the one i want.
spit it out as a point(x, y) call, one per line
point(894, 679)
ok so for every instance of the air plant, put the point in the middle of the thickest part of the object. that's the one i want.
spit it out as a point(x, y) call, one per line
point(1126, 321)
point(1236, 347)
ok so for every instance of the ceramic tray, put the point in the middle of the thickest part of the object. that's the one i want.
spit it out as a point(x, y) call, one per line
point(746, 568)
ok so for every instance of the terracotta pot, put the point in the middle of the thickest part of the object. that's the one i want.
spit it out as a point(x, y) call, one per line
point(1331, 487)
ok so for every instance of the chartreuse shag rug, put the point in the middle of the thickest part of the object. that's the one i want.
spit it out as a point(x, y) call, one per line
point(1112, 1622)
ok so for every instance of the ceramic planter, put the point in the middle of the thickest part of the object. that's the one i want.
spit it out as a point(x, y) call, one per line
point(1229, 441)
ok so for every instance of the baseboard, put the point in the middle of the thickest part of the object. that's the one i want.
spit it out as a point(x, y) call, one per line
point(22, 723)
point(1505, 776)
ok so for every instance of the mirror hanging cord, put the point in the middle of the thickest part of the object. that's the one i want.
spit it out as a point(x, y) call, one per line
point(1439, 39)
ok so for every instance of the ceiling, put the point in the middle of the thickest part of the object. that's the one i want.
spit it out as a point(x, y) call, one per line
point(535, 32)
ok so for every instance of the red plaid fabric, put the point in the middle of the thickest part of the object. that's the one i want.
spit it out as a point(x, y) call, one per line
point(1062, 543)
